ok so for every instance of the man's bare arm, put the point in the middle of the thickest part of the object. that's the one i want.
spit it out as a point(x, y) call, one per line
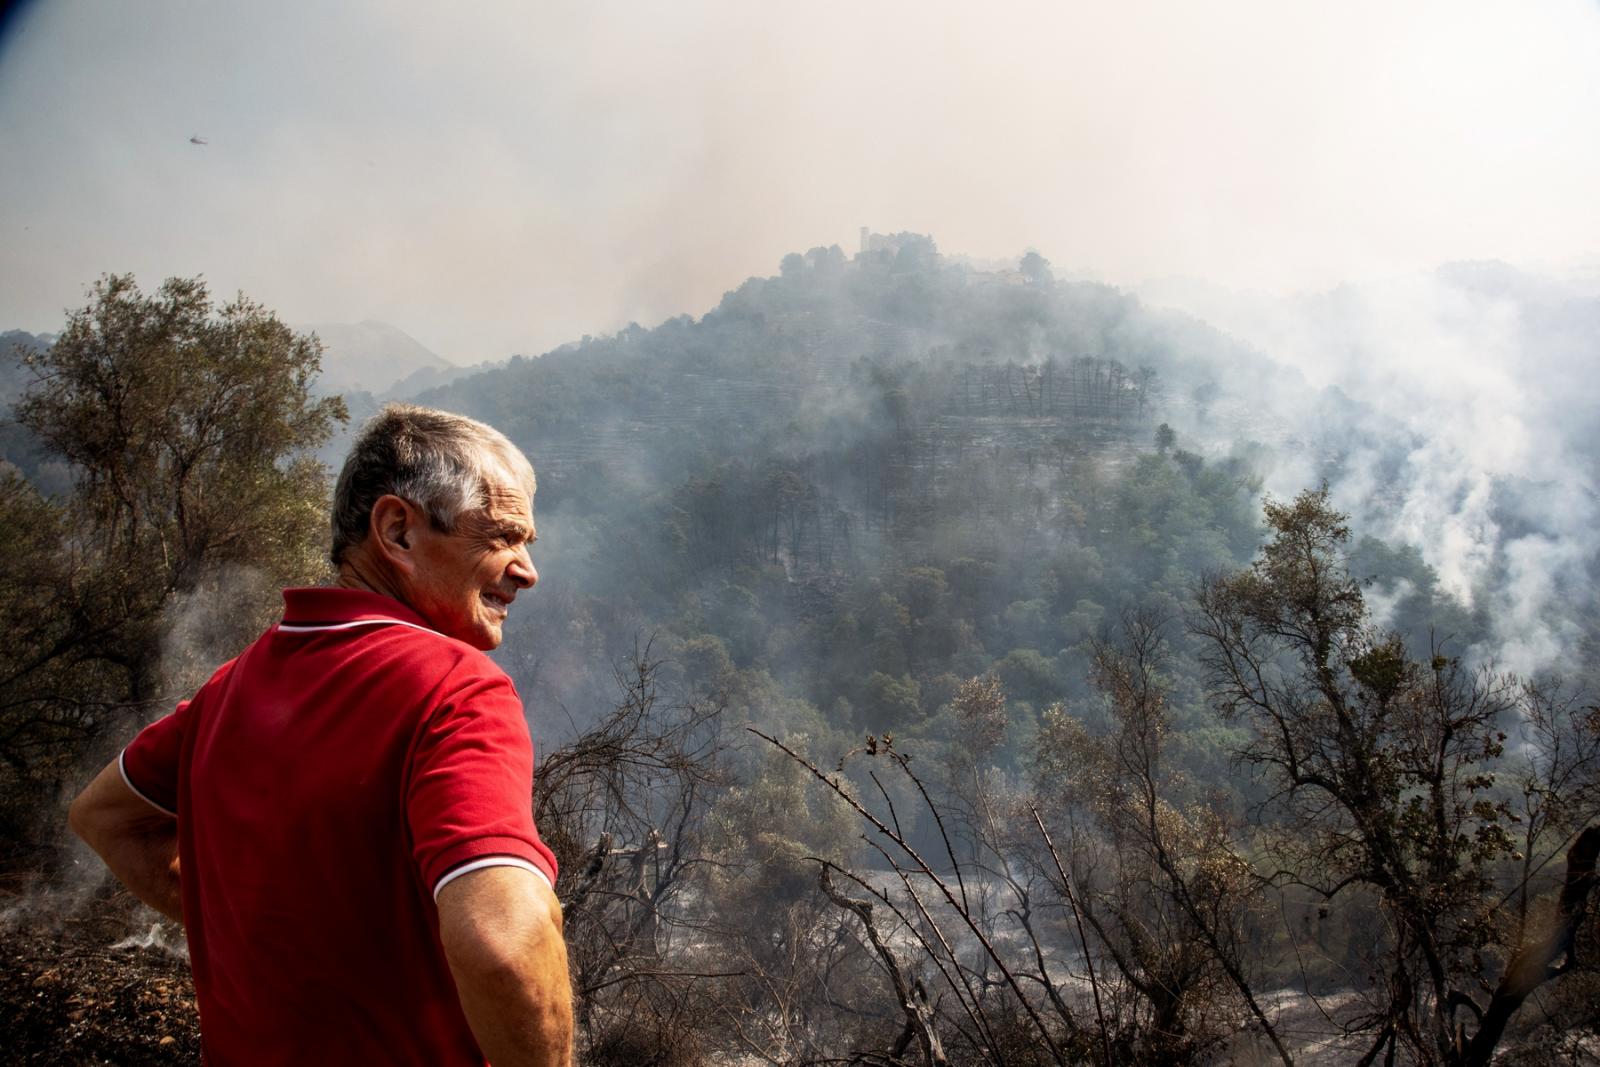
point(138, 841)
point(501, 931)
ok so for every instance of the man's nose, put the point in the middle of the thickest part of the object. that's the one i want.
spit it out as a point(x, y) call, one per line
point(521, 570)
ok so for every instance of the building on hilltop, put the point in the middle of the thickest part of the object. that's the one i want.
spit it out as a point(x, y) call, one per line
point(891, 243)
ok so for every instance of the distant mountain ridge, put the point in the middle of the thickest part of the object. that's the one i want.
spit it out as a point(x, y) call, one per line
point(14, 376)
point(373, 357)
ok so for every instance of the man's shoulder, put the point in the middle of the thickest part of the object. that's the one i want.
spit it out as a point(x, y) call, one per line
point(219, 678)
point(432, 656)
point(360, 616)
point(389, 648)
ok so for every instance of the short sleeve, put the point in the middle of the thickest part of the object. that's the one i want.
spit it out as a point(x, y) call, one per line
point(149, 763)
point(469, 800)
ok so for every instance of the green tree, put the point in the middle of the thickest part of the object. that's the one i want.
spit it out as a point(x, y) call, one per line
point(980, 707)
point(189, 429)
point(1036, 269)
point(892, 703)
point(1386, 769)
point(52, 694)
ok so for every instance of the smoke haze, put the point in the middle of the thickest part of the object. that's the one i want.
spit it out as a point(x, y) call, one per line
point(1475, 438)
point(512, 178)
point(516, 178)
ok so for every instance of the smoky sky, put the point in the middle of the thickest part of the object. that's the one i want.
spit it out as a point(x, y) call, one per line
point(502, 177)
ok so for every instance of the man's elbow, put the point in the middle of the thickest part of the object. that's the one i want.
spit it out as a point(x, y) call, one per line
point(109, 814)
point(507, 948)
point(81, 819)
point(501, 932)
point(497, 924)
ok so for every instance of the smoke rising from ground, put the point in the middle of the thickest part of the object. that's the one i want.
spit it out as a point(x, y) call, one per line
point(211, 622)
point(1472, 435)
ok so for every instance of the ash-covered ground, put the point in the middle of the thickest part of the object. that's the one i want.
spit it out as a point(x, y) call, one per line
point(95, 984)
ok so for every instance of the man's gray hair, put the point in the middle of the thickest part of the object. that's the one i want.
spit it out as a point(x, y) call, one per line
point(440, 462)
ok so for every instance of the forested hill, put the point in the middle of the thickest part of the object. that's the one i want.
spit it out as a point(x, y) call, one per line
point(833, 353)
point(855, 483)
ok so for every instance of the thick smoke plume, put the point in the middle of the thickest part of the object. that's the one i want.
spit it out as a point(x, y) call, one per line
point(1456, 413)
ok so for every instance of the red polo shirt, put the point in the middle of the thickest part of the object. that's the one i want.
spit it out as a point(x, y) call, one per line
point(326, 784)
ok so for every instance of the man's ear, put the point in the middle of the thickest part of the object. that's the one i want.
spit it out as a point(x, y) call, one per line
point(392, 531)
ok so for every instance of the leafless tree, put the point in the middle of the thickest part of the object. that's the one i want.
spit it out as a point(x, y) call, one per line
point(623, 807)
point(1161, 879)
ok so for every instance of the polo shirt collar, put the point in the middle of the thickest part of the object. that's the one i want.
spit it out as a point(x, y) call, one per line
point(330, 606)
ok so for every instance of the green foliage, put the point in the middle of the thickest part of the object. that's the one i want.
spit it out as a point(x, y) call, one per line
point(1059, 766)
point(704, 661)
point(189, 431)
point(1029, 675)
point(892, 702)
point(1384, 767)
point(57, 693)
point(980, 708)
point(767, 836)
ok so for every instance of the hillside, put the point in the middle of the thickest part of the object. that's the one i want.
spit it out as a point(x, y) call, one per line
point(371, 356)
point(855, 481)
point(832, 353)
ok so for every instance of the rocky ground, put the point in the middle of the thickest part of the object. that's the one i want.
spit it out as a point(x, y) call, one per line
point(77, 990)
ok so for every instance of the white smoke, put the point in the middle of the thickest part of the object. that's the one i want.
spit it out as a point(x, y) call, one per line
point(159, 936)
point(211, 623)
point(1382, 602)
point(1470, 432)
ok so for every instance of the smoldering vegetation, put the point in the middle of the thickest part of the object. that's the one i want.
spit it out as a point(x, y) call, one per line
point(1458, 411)
point(935, 664)
point(849, 420)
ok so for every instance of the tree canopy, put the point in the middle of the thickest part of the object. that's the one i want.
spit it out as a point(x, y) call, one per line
point(188, 429)
point(1392, 776)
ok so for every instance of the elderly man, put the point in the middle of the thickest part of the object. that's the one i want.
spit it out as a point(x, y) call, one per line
point(341, 817)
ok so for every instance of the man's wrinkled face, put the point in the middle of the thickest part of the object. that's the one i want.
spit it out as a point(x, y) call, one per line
point(465, 580)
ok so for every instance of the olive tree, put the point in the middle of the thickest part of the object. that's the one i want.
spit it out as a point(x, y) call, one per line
point(1395, 779)
point(189, 429)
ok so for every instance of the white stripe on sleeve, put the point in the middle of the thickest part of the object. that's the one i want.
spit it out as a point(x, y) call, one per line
point(122, 769)
point(488, 861)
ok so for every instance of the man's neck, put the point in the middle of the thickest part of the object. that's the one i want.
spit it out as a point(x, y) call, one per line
point(357, 571)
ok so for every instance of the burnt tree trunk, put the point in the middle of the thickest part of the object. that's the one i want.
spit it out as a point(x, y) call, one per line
point(1539, 958)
